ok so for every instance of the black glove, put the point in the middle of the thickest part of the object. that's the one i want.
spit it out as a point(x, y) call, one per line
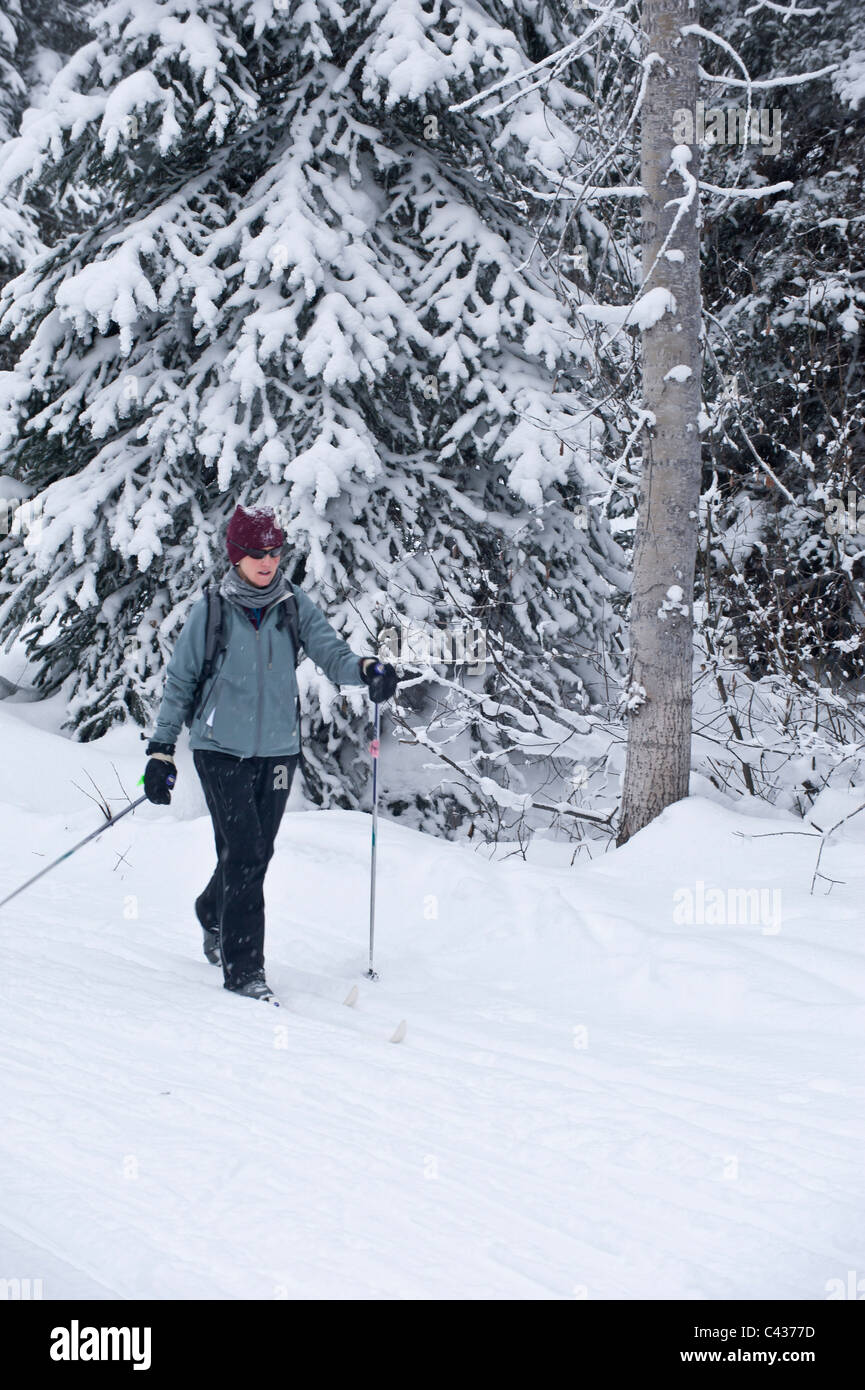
point(381, 679)
point(160, 773)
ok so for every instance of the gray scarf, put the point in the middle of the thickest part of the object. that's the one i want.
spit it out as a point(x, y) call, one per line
point(235, 587)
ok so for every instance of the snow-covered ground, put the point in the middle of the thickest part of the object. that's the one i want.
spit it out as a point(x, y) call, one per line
point(596, 1097)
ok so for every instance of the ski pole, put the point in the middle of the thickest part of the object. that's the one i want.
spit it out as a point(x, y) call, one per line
point(374, 750)
point(107, 826)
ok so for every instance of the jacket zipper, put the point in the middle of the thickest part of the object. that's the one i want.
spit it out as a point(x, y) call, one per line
point(271, 609)
point(260, 675)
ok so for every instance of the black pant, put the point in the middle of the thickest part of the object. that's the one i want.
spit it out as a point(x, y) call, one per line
point(246, 798)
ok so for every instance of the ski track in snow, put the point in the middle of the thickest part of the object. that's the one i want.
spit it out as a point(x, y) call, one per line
point(701, 1140)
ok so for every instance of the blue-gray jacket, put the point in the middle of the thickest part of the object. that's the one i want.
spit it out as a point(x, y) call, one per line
point(249, 706)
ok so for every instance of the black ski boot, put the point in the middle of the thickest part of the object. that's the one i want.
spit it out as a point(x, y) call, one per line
point(210, 940)
point(211, 946)
point(256, 987)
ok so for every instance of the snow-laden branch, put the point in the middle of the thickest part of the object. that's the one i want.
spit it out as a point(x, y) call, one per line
point(737, 192)
point(785, 11)
point(748, 81)
point(644, 418)
point(585, 192)
point(569, 52)
point(680, 158)
point(594, 192)
point(643, 312)
point(795, 80)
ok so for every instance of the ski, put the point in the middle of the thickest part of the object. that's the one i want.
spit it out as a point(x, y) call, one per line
point(397, 1036)
point(398, 1033)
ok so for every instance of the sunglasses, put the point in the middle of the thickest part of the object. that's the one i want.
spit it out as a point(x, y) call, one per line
point(275, 551)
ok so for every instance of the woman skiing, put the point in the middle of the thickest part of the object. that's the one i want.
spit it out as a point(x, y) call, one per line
point(244, 730)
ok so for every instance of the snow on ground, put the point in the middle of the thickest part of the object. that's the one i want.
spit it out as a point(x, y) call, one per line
point(596, 1098)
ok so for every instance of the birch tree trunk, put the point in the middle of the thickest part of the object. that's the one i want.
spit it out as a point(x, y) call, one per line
point(659, 691)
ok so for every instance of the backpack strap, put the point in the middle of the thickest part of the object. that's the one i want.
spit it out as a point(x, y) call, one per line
point(287, 617)
point(214, 644)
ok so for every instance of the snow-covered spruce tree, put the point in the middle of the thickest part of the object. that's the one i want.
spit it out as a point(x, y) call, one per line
point(301, 279)
point(12, 85)
point(16, 233)
point(35, 40)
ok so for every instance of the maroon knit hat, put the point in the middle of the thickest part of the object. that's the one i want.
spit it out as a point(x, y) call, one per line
point(251, 530)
